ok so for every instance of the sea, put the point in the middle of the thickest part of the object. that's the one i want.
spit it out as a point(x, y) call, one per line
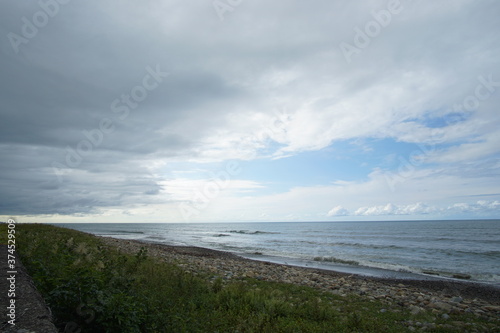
point(426, 250)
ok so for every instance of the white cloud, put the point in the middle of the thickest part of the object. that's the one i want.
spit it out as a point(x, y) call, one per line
point(479, 206)
point(419, 209)
point(338, 211)
point(484, 146)
point(428, 194)
point(391, 209)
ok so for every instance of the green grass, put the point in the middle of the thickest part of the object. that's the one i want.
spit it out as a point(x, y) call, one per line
point(92, 287)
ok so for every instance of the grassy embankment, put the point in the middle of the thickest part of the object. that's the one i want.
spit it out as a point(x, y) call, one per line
point(95, 288)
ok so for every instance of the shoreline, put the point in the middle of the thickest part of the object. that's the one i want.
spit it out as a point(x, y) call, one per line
point(360, 271)
point(434, 295)
point(280, 243)
point(366, 271)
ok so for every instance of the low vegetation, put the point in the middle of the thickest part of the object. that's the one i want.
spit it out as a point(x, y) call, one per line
point(93, 288)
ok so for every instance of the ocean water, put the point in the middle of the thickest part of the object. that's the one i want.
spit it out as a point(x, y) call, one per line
point(404, 249)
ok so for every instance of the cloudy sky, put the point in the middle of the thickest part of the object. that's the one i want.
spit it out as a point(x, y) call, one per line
point(177, 111)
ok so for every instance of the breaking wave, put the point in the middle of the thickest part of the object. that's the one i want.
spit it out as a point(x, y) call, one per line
point(336, 260)
point(248, 232)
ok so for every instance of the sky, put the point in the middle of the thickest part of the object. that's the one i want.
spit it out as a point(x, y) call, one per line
point(235, 110)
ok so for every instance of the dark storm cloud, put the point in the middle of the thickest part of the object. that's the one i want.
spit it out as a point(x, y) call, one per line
point(62, 83)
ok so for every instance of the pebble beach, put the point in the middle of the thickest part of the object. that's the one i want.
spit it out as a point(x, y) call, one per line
point(439, 298)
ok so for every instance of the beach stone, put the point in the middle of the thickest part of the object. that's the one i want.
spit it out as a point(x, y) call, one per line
point(457, 299)
point(430, 326)
point(415, 310)
point(492, 308)
point(443, 306)
point(447, 326)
